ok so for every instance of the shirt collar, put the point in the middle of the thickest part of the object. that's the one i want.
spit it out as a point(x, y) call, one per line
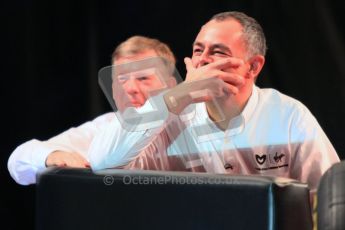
point(237, 124)
point(249, 108)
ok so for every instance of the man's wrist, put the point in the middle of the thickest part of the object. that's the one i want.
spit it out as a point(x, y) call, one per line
point(176, 103)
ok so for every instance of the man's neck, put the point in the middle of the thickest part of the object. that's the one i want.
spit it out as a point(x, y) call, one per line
point(227, 108)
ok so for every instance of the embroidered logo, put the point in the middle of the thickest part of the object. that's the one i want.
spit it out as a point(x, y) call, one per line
point(278, 158)
point(260, 159)
point(228, 166)
point(273, 160)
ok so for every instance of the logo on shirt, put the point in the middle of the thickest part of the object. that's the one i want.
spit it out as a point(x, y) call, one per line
point(273, 161)
point(228, 166)
point(260, 159)
point(278, 158)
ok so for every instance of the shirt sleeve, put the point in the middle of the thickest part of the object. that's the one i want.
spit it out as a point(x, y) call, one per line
point(314, 155)
point(29, 158)
point(115, 146)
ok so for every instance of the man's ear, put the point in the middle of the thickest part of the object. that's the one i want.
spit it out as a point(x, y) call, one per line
point(256, 64)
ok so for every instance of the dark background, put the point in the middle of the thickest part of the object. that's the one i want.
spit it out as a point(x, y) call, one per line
point(51, 52)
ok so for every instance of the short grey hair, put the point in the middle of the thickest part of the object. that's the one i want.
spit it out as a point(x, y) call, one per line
point(253, 33)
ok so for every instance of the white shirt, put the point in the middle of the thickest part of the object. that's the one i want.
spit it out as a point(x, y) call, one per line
point(274, 135)
point(29, 158)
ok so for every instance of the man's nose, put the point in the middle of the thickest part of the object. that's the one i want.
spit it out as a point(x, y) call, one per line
point(131, 86)
point(205, 59)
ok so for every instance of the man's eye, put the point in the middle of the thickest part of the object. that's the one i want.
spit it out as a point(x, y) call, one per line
point(123, 79)
point(143, 78)
point(218, 52)
point(197, 51)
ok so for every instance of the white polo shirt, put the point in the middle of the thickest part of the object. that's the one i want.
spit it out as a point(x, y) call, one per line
point(29, 158)
point(274, 135)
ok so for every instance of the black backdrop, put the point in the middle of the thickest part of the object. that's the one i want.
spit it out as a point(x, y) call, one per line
point(51, 52)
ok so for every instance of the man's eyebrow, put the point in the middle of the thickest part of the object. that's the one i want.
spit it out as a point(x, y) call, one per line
point(214, 46)
point(198, 44)
point(122, 76)
point(221, 46)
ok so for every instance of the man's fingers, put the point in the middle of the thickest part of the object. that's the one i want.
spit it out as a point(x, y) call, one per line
point(233, 89)
point(57, 163)
point(209, 89)
point(226, 63)
point(189, 64)
point(63, 159)
point(77, 161)
point(231, 78)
